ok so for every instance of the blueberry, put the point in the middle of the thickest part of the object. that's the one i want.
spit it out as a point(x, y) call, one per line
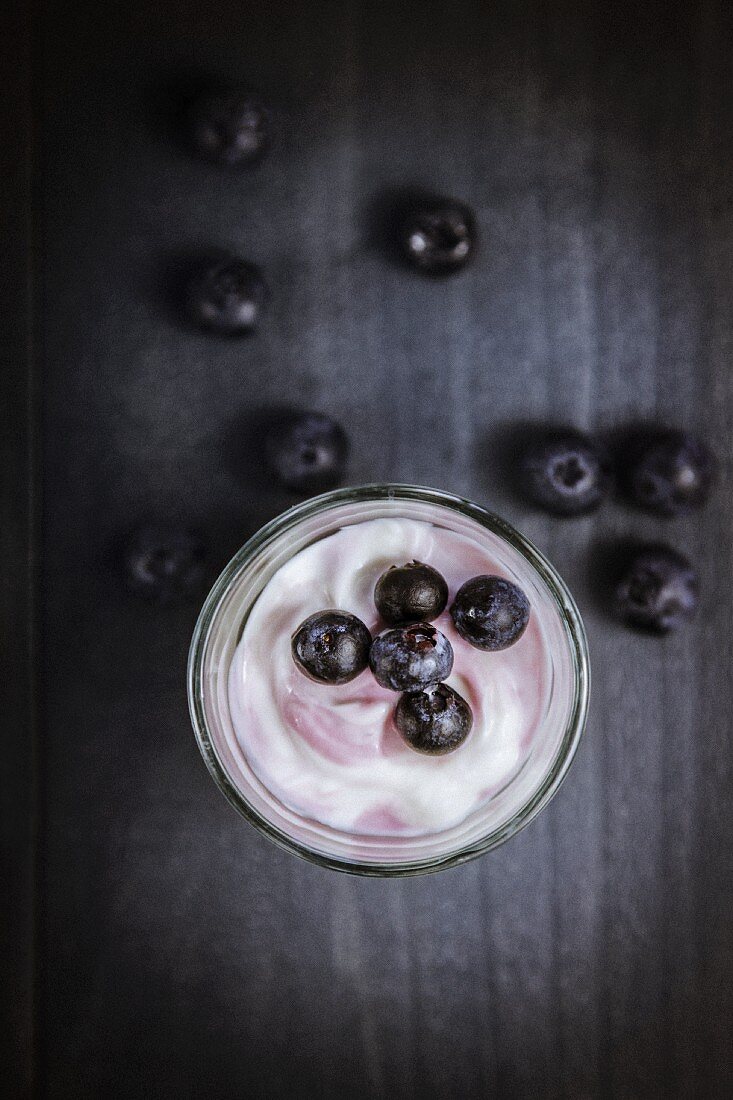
point(307, 452)
point(438, 236)
point(231, 128)
point(436, 720)
point(165, 564)
point(672, 474)
point(227, 296)
point(410, 593)
point(658, 590)
point(490, 612)
point(331, 647)
point(566, 473)
point(407, 658)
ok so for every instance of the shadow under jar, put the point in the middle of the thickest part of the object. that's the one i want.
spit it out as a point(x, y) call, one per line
point(321, 769)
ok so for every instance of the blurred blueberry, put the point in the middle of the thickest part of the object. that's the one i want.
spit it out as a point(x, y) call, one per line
point(231, 128)
point(658, 590)
point(566, 473)
point(227, 296)
point(306, 451)
point(438, 236)
point(165, 564)
point(672, 474)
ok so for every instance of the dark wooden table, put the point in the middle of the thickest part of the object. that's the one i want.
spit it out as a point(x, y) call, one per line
point(155, 945)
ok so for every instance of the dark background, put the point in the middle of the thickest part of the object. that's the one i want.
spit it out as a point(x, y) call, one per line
point(155, 945)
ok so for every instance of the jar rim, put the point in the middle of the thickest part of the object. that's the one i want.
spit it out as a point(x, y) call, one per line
point(556, 587)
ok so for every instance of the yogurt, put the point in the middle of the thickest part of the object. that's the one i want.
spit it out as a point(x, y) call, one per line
point(331, 754)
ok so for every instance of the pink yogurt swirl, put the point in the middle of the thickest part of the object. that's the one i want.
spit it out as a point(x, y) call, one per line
point(332, 754)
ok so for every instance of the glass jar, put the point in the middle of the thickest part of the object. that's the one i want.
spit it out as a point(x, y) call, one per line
point(508, 809)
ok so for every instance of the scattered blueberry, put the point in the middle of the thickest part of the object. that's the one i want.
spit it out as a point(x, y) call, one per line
point(438, 237)
point(410, 593)
point(566, 473)
point(436, 720)
point(673, 474)
point(165, 564)
point(231, 128)
point(408, 658)
point(307, 452)
point(490, 612)
point(227, 296)
point(658, 590)
point(331, 647)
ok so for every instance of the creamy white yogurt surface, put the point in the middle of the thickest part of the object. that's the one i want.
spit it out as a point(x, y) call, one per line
point(333, 754)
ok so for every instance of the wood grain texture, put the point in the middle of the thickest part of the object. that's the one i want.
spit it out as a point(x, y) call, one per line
point(182, 954)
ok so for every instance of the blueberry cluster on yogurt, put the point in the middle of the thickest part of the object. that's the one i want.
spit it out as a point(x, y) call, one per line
point(411, 656)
